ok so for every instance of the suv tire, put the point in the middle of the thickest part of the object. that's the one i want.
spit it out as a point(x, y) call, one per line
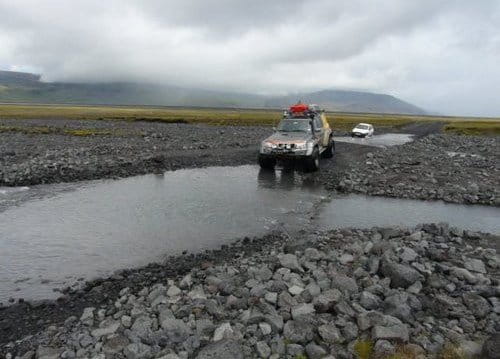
point(330, 150)
point(267, 162)
point(312, 162)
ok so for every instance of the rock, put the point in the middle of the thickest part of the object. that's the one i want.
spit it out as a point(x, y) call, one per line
point(115, 344)
point(407, 254)
point(87, 317)
point(464, 274)
point(224, 349)
point(415, 288)
point(262, 349)
point(265, 328)
point(383, 348)
point(395, 332)
point(401, 276)
point(173, 291)
point(396, 306)
point(298, 331)
point(326, 301)
point(105, 328)
point(224, 331)
point(295, 350)
point(369, 300)
point(43, 352)
point(126, 321)
point(175, 329)
point(330, 334)
point(271, 297)
point(302, 310)
point(344, 283)
point(476, 304)
point(315, 351)
point(295, 290)
point(471, 349)
point(137, 351)
point(475, 265)
point(346, 258)
point(290, 261)
point(186, 282)
point(312, 254)
point(142, 327)
point(491, 347)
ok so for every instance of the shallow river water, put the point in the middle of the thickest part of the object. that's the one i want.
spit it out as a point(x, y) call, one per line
point(51, 235)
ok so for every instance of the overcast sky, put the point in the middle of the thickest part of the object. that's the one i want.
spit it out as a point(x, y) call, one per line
point(441, 55)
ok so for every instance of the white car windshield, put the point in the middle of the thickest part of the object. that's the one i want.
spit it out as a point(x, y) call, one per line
point(362, 127)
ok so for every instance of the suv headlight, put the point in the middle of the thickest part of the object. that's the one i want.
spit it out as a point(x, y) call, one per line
point(267, 146)
point(301, 146)
point(309, 147)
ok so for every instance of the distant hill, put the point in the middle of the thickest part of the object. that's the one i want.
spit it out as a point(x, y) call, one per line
point(25, 87)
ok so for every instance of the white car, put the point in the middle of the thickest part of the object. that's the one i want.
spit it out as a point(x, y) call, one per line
point(362, 130)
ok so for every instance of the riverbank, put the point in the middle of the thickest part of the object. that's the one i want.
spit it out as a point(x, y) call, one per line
point(425, 290)
point(458, 169)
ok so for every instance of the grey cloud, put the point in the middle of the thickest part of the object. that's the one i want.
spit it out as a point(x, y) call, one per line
point(437, 54)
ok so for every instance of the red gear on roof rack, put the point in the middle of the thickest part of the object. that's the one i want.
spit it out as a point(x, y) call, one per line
point(300, 107)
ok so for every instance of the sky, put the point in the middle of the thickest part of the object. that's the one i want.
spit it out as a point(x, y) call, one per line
point(443, 56)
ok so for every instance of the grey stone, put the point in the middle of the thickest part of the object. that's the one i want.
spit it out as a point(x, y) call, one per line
point(263, 349)
point(294, 350)
point(400, 275)
point(407, 254)
point(126, 321)
point(224, 331)
point(312, 254)
point(475, 265)
point(350, 331)
point(415, 288)
point(394, 332)
point(315, 351)
point(302, 310)
point(383, 348)
point(115, 344)
point(298, 331)
point(464, 274)
point(43, 352)
point(137, 351)
point(491, 347)
point(295, 290)
point(346, 258)
point(105, 328)
point(142, 327)
point(173, 291)
point(476, 304)
point(330, 333)
point(369, 300)
point(290, 261)
point(87, 317)
point(396, 305)
point(325, 302)
point(271, 297)
point(175, 329)
point(343, 283)
point(224, 349)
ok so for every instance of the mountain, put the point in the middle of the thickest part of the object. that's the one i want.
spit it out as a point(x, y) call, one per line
point(25, 87)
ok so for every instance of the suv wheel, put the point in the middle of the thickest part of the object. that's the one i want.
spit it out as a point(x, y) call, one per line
point(330, 150)
point(312, 162)
point(267, 162)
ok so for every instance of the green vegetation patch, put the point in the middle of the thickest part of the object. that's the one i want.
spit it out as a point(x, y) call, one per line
point(474, 127)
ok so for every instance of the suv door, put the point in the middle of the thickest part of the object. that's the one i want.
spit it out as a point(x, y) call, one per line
point(320, 131)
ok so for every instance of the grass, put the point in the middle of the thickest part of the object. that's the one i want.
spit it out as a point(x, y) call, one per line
point(339, 121)
point(363, 349)
point(45, 130)
point(474, 127)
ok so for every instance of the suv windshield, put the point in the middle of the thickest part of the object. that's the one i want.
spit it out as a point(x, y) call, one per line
point(362, 127)
point(295, 125)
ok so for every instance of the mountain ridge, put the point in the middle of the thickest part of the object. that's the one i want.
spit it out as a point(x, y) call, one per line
point(26, 87)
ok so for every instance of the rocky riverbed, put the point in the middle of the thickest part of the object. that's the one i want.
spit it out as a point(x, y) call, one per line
point(425, 292)
point(50, 151)
point(459, 169)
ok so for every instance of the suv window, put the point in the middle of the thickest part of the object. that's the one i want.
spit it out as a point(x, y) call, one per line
point(318, 124)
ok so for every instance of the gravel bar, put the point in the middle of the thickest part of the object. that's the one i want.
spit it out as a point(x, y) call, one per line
point(423, 292)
